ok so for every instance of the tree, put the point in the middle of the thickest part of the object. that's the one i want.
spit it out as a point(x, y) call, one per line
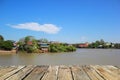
point(1, 38)
point(117, 45)
point(7, 45)
point(27, 39)
point(1, 44)
point(93, 45)
point(102, 42)
point(24, 46)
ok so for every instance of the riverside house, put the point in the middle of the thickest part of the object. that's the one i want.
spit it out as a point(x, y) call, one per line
point(83, 45)
point(44, 47)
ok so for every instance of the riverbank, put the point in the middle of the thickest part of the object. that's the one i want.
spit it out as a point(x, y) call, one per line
point(7, 52)
point(61, 72)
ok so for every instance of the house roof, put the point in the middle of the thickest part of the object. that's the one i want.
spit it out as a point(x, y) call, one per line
point(44, 45)
point(29, 43)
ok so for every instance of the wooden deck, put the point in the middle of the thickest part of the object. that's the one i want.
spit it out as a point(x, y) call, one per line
point(72, 72)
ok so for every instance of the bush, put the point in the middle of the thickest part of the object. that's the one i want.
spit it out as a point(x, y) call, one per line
point(70, 48)
point(30, 49)
point(61, 48)
point(6, 45)
point(117, 46)
point(53, 48)
point(1, 44)
point(21, 48)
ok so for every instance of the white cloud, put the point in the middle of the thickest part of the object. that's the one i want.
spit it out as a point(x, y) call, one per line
point(47, 28)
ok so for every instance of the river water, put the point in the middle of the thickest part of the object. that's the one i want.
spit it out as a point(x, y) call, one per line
point(81, 57)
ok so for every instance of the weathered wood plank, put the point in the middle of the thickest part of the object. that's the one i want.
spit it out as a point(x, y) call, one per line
point(113, 69)
point(21, 74)
point(74, 72)
point(118, 67)
point(64, 73)
point(97, 75)
point(11, 73)
point(105, 73)
point(115, 72)
point(37, 73)
point(3, 67)
point(92, 73)
point(5, 70)
point(79, 74)
point(51, 74)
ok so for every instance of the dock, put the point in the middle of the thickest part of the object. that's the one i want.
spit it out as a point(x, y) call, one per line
point(61, 72)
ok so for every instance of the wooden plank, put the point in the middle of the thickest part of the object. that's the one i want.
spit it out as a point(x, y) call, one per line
point(115, 72)
point(97, 75)
point(105, 73)
point(22, 73)
point(51, 74)
point(74, 72)
point(113, 69)
point(118, 67)
point(3, 67)
point(11, 73)
point(6, 70)
point(79, 74)
point(92, 73)
point(37, 73)
point(64, 73)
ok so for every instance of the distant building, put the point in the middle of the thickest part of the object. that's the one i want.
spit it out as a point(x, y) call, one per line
point(15, 45)
point(54, 42)
point(112, 45)
point(107, 44)
point(83, 45)
point(44, 47)
point(100, 46)
point(29, 43)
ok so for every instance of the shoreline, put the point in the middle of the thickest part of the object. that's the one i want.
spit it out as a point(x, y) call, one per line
point(7, 52)
point(15, 52)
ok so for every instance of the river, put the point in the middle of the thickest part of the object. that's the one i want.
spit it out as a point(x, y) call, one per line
point(81, 57)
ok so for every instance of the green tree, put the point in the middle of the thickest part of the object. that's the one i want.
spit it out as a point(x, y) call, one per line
point(117, 45)
point(7, 45)
point(94, 45)
point(1, 38)
point(1, 44)
point(21, 46)
point(27, 39)
point(102, 42)
point(24, 46)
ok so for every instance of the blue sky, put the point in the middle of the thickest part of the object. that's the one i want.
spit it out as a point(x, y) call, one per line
point(61, 20)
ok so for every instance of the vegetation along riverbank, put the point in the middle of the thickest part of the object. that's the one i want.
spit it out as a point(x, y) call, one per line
point(29, 44)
